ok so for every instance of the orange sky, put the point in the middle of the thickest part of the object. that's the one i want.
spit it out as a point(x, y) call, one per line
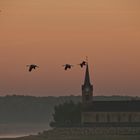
point(51, 33)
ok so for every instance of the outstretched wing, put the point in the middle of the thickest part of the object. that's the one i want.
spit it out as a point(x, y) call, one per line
point(66, 67)
point(30, 68)
point(81, 65)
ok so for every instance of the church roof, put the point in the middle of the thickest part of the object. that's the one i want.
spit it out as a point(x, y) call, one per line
point(114, 106)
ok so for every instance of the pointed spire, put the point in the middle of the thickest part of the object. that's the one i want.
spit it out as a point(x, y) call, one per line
point(87, 77)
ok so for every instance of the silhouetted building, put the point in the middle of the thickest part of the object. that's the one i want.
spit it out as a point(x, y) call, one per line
point(107, 113)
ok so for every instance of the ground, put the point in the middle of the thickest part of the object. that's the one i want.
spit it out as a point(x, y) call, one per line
point(97, 137)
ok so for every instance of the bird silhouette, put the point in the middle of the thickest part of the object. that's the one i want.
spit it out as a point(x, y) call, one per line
point(67, 66)
point(83, 64)
point(32, 66)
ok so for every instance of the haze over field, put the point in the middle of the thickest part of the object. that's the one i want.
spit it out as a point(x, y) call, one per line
point(54, 32)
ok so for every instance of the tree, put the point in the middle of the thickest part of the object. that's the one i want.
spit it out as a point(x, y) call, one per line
point(67, 114)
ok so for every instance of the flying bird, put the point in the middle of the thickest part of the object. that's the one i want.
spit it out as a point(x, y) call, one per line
point(32, 66)
point(67, 66)
point(83, 64)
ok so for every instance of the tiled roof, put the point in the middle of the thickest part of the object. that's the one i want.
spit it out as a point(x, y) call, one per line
point(113, 106)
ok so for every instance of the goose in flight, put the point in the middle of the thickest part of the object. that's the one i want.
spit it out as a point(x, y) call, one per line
point(32, 66)
point(83, 64)
point(67, 66)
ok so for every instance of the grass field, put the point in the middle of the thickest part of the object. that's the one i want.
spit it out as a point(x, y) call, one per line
point(102, 137)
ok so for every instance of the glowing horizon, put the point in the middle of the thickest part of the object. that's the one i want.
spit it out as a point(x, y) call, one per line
point(52, 33)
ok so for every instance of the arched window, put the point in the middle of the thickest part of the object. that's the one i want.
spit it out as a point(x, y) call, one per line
point(119, 117)
point(130, 118)
point(97, 117)
point(108, 118)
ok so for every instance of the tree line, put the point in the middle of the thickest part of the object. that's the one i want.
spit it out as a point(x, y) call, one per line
point(17, 108)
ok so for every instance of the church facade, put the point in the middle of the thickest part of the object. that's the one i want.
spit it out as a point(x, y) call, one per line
point(107, 113)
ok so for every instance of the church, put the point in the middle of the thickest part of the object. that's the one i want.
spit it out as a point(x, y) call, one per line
point(107, 113)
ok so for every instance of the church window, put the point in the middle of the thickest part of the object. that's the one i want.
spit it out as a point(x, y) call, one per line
point(130, 118)
point(119, 118)
point(108, 118)
point(97, 117)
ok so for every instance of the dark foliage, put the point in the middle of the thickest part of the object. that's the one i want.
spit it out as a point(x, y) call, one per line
point(68, 113)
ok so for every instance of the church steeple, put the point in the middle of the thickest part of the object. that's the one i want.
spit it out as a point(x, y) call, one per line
point(87, 88)
point(87, 77)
